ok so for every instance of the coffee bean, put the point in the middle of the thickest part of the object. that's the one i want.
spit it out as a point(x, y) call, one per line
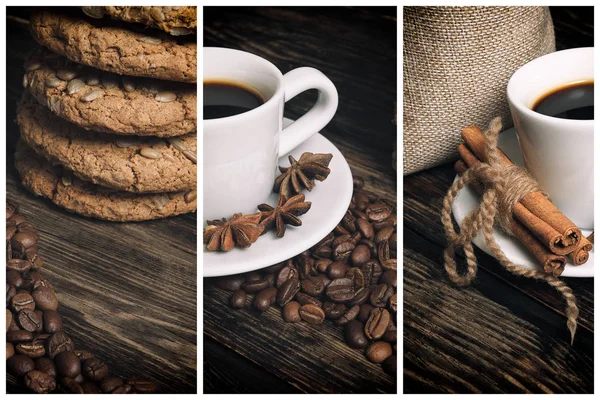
point(372, 272)
point(31, 349)
point(349, 222)
point(390, 336)
point(21, 241)
point(364, 227)
point(378, 211)
point(287, 272)
point(306, 266)
point(377, 324)
point(107, 385)
point(381, 294)
point(29, 320)
point(340, 230)
point(389, 264)
point(11, 290)
point(39, 382)
point(45, 298)
point(362, 296)
point(273, 269)
point(303, 299)
point(389, 277)
point(142, 386)
point(341, 290)
point(238, 299)
point(79, 379)
point(90, 388)
point(384, 234)
point(313, 286)
point(19, 365)
point(57, 343)
point(22, 301)
point(337, 270)
point(389, 221)
point(13, 278)
point(360, 255)
point(265, 298)
point(323, 252)
point(46, 365)
point(123, 389)
point(377, 352)
point(71, 386)
point(287, 291)
point(52, 321)
point(348, 316)
point(357, 277)
point(255, 286)
point(322, 264)
point(230, 283)
point(19, 336)
point(324, 279)
point(94, 369)
point(343, 251)
point(312, 314)
point(68, 364)
point(18, 265)
point(333, 311)
point(341, 239)
point(354, 335)
point(291, 312)
point(10, 350)
point(9, 318)
point(365, 312)
point(84, 355)
point(393, 303)
point(356, 237)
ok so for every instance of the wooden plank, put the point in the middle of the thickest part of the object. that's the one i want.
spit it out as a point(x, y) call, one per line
point(485, 338)
point(127, 291)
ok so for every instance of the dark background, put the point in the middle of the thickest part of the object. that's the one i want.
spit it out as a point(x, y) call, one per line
point(247, 352)
point(127, 291)
point(501, 334)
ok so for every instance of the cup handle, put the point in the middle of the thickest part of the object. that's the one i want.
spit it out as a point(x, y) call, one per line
point(296, 82)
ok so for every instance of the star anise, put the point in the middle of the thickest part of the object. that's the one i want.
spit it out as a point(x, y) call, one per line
point(302, 174)
point(240, 230)
point(286, 213)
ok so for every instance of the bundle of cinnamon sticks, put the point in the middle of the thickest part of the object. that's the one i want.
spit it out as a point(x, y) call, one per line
point(546, 232)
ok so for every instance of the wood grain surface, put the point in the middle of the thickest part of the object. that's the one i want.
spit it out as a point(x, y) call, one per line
point(127, 291)
point(248, 352)
point(501, 334)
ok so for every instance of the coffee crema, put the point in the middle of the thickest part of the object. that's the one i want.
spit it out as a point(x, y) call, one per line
point(572, 101)
point(224, 99)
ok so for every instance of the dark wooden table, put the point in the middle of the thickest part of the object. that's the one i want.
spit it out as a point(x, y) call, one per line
point(247, 352)
point(127, 291)
point(502, 334)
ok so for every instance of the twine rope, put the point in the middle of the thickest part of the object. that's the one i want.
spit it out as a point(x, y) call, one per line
point(504, 187)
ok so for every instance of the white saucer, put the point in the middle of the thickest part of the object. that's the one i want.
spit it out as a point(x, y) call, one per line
point(330, 200)
point(467, 199)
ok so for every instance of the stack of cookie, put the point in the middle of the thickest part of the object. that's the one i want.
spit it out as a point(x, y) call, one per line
point(108, 117)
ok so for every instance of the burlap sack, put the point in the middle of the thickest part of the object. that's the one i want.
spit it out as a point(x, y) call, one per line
point(457, 62)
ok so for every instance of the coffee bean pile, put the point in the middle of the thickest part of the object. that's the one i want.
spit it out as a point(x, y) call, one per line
point(349, 278)
point(38, 351)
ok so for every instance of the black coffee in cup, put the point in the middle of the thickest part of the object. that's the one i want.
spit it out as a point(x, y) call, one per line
point(572, 101)
point(225, 99)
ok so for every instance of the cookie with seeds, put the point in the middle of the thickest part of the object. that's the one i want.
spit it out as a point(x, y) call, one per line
point(106, 102)
point(110, 46)
point(177, 21)
point(59, 185)
point(133, 164)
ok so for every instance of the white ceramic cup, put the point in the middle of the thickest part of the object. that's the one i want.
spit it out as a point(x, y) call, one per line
point(558, 152)
point(241, 151)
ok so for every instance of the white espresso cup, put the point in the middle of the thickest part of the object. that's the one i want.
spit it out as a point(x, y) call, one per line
point(558, 152)
point(241, 151)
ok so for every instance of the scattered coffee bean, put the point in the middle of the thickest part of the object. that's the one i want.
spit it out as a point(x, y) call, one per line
point(333, 311)
point(362, 296)
point(337, 270)
point(46, 365)
point(19, 365)
point(230, 283)
point(57, 343)
point(377, 352)
point(364, 227)
point(238, 299)
point(343, 251)
point(68, 364)
point(348, 316)
point(377, 324)
point(381, 294)
point(264, 299)
point(354, 335)
point(71, 386)
point(313, 286)
point(312, 314)
point(31, 349)
point(94, 369)
point(390, 336)
point(390, 365)
point(360, 255)
point(255, 286)
point(389, 277)
point(287, 272)
point(291, 312)
point(107, 385)
point(341, 290)
point(287, 291)
point(45, 298)
point(303, 299)
point(52, 321)
point(29, 320)
point(39, 382)
point(22, 301)
point(15, 336)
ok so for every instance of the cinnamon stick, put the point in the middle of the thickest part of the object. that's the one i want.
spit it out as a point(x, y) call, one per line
point(582, 253)
point(550, 262)
point(534, 210)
